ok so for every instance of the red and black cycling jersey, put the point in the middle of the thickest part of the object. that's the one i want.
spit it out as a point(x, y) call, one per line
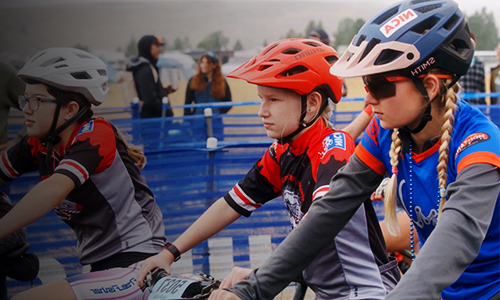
point(111, 209)
point(300, 172)
point(354, 264)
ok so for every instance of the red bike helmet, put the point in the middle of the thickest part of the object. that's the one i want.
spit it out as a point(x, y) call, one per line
point(298, 64)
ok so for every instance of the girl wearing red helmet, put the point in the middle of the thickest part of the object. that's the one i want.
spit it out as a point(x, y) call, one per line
point(293, 81)
point(442, 156)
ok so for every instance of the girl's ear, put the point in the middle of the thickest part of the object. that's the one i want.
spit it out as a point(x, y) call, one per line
point(431, 83)
point(70, 110)
point(314, 100)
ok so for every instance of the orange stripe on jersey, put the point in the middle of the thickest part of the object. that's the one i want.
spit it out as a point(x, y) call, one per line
point(77, 167)
point(427, 153)
point(366, 157)
point(244, 198)
point(320, 192)
point(478, 158)
point(13, 173)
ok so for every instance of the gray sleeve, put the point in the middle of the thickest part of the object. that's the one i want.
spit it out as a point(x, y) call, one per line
point(456, 240)
point(349, 188)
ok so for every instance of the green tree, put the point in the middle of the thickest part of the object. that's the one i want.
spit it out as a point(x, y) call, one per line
point(238, 46)
point(178, 44)
point(312, 25)
point(292, 34)
point(167, 44)
point(215, 41)
point(186, 44)
point(483, 24)
point(131, 48)
point(346, 30)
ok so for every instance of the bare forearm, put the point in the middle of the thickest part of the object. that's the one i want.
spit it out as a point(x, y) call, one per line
point(35, 204)
point(216, 218)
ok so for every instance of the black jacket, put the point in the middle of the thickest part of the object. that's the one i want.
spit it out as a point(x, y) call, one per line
point(150, 92)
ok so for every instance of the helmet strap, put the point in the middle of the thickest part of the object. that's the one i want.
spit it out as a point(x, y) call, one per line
point(53, 137)
point(426, 117)
point(303, 125)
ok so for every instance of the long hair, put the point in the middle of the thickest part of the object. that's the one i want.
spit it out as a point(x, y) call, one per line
point(135, 152)
point(447, 99)
point(199, 83)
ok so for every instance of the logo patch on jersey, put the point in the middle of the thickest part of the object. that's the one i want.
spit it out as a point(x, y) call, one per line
point(471, 140)
point(334, 140)
point(87, 127)
point(397, 22)
point(372, 131)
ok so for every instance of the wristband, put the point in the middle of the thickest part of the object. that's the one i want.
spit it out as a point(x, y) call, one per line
point(175, 252)
point(369, 110)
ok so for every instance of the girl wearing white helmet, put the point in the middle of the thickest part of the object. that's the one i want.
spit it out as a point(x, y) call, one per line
point(442, 155)
point(81, 162)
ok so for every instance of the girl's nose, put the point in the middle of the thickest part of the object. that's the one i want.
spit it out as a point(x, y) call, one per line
point(370, 100)
point(263, 111)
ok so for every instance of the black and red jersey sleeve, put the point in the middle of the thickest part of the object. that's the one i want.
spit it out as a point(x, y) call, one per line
point(20, 159)
point(328, 158)
point(92, 150)
point(261, 184)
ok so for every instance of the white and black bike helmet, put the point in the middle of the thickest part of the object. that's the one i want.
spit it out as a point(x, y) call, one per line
point(72, 70)
point(69, 69)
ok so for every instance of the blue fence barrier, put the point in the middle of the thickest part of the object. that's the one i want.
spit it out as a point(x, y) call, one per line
point(186, 178)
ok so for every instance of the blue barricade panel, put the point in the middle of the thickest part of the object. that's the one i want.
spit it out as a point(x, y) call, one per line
point(186, 179)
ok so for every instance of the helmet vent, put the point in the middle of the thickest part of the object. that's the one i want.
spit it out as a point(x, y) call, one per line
point(102, 72)
point(291, 51)
point(37, 56)
point(369, 47)
point(420, 1)
point(331, 59)
point(264, 67)
point(83, 56)
point(451, 22)
point(104, 86)
point(386, 16)
point(252, 62)
point(81, 75)
point(360, 40)
point(294, 71)
point(313, 44)
point(425, 25)
point(460, 46)
point(387, 56)
point(52, 61)
point(270, 48)
point(428, 8)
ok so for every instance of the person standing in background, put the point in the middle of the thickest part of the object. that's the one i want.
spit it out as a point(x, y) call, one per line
point(147, 82)
point(11, 86)
point(494, 78)
point(473, 81)
point(207, 85)
point(321, 35)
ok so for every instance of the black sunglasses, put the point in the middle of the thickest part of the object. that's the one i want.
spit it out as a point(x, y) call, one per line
point(381, 87)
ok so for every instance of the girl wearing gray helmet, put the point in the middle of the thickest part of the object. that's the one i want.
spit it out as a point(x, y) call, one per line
point(81, 162)
point(442, 156)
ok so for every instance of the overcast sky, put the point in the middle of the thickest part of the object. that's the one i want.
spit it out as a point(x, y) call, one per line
point(27, 26)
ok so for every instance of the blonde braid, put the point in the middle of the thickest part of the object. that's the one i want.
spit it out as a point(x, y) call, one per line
point(444, 149)
point(391, 193)
point(327, 114)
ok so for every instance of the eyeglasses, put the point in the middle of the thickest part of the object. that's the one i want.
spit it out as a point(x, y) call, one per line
point(381, 87)
point(33, 102)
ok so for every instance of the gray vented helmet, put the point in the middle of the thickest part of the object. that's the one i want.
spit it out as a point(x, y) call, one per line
point(69, 69)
